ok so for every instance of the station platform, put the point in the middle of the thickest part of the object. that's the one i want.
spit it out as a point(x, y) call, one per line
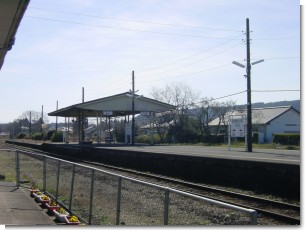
point(17, 208)
point(268, 171)
point(279, 156)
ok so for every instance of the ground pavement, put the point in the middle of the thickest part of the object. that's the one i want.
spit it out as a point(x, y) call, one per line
point(18, 208)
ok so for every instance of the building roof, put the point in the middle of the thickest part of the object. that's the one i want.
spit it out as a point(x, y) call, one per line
point(119, 105)
point(11, 13)
point(259, 115)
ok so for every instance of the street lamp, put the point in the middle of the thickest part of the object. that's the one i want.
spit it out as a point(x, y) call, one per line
point(256, 62)
point(249, 109)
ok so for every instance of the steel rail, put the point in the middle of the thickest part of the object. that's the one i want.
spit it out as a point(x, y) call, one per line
point(251, 212)
point(291, 220)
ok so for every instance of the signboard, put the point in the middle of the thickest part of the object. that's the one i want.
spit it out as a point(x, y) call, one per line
point(128, 128)
point(145, 113)
point(107, 112)
point(237, 127)
point(128, 132)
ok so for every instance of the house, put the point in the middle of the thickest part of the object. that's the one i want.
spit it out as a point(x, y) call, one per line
point(159, 123)
point(265, 121)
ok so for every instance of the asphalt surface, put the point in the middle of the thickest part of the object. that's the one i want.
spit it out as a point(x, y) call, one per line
point(261, 155)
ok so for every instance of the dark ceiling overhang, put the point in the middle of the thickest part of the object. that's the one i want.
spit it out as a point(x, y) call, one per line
point(11, 13)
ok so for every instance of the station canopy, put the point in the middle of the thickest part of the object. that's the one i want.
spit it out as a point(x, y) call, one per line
point(114, 106)
point(11, 14)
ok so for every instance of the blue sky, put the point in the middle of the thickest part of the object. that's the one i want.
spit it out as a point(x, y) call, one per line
point(62, 46)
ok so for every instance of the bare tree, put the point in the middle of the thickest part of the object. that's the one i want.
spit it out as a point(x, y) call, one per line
point(32, 121)
point(205, 113)
point(224, 109)
point(183, 97)
point(208, 110)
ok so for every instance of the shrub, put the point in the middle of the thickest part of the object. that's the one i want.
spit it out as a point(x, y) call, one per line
point(214, 139)
point(37, 136)
point(255, 137)
point(287, 139)
point(21, 135)
point(49, 134)
point(146, 139)
point(57, 137)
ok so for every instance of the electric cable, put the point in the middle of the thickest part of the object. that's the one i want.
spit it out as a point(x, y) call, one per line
point(180, 67)
point(183, 75)
point(128, 29)
point(137, 21)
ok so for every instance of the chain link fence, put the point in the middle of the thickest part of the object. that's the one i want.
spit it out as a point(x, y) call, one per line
point(99, 197)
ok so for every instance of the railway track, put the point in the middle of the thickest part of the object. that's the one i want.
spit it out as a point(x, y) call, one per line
point(266, 208)
point(261, 205)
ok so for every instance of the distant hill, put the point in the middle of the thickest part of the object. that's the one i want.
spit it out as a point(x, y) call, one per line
point(295, 104)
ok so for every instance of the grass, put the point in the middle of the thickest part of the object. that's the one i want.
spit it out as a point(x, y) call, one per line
point(7, 159)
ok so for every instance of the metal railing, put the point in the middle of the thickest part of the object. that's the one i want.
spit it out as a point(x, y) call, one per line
point(100, 197)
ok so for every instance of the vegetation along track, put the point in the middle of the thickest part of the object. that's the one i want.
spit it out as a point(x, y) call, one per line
point(269, 210)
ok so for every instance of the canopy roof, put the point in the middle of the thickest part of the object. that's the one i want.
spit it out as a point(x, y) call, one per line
point(11, 13)
point(118, 105)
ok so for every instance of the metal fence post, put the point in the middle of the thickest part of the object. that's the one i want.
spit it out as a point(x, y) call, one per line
point(91, 197)
point(72, 187)
point(118, 206)
point(166, 206)
point(17, 169)
point(57, 180)
point(44, 173)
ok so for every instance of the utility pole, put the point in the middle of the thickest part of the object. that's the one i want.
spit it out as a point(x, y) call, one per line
point(249, 105)
point(56, 116)
point(83, 119)
point(132, 109)
point(83, 94)
point(41, 122)
point(30, 124)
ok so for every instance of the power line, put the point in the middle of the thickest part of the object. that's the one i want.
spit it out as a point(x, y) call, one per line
point(137, 21)
point(188, 57)
point(214, 99)
point(119, 84)
point(180, 67)
point(155, 32)
point(182, 75)
point(280, 58)
point(127, 29)
point(274, 39)
point(276, 90)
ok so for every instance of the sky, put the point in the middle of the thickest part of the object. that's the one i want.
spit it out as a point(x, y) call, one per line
point(63, 46)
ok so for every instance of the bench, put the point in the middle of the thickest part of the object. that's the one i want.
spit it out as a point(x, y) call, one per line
point(85, 142)
point(109, 140)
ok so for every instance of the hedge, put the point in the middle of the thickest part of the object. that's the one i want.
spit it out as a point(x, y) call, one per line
point(21, 136)
point(287, 139)
point(57, 137)
point(37, 136)
point(146, 139)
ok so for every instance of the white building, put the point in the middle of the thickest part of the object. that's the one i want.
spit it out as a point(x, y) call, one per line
point(266, 121)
